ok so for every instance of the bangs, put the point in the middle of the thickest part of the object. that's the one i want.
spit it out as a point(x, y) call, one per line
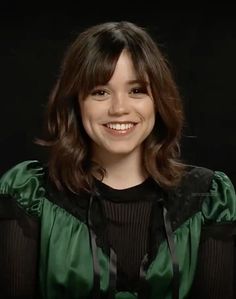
point(101, 67)
point(98, 72)
point(100, 62)
point(143, 66)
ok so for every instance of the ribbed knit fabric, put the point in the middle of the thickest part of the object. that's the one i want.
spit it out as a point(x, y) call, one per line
point(128, 234)
point(128, 227)
point(215, 259)
point(18, 259)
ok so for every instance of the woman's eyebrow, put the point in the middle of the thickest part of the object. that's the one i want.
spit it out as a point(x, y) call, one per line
point(130, 82)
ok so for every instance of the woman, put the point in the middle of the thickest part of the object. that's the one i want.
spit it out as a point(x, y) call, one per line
point(115, 213)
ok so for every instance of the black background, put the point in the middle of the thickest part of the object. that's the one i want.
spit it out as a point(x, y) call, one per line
point(200, 45)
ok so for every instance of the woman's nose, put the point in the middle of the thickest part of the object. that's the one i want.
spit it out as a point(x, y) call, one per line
point(119, 105)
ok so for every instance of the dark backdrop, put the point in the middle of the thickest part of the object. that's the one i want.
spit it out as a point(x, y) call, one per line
point(200, 45)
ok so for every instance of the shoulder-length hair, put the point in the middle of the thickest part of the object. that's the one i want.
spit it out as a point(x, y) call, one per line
point(90, 61)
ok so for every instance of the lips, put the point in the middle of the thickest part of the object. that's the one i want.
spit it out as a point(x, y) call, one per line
point(120, 128)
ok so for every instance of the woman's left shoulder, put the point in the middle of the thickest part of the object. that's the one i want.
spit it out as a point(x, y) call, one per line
point(215, 190)
point(220, 202)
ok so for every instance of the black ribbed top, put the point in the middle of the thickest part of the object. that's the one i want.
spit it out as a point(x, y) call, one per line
point(127, 212)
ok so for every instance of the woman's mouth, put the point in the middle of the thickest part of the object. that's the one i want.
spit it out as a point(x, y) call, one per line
point(120, 129)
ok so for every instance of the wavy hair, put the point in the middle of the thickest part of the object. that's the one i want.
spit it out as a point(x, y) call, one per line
point(90, 61)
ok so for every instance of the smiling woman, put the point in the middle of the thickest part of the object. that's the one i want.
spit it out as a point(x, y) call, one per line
point(113, 60)
point(115, 214)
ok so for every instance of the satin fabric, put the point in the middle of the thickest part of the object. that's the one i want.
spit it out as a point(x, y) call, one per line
point(65, 266)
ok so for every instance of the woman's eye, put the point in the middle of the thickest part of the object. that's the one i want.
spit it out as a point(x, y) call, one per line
point(98, 92)
point(138, 90)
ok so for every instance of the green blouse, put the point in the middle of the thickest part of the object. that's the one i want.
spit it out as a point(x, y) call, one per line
point(66, 264)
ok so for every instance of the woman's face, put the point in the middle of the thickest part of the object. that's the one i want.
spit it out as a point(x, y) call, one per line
point(119, 115)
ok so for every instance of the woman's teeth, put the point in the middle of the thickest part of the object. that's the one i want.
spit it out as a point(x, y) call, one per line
point(121, 127)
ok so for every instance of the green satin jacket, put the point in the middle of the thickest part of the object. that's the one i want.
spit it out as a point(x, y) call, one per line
point(66, 262)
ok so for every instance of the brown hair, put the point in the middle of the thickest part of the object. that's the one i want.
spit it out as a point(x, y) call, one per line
point(90, 61)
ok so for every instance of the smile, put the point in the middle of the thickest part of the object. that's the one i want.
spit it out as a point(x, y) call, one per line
point(118, 129)
point(119, 126)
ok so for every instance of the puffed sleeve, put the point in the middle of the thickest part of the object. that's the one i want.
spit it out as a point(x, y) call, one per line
point(21, 194)
point(220, 202)
point(23, 184)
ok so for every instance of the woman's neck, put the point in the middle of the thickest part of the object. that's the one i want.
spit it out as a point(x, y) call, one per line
point(122, 171)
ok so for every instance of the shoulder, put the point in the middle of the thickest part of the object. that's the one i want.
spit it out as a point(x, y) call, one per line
point(196, 180)
point(220, 202)
point(23, 184)
point(202, 190)
point(206, 184)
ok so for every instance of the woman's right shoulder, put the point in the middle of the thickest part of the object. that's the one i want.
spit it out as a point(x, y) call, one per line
point(23, 184)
